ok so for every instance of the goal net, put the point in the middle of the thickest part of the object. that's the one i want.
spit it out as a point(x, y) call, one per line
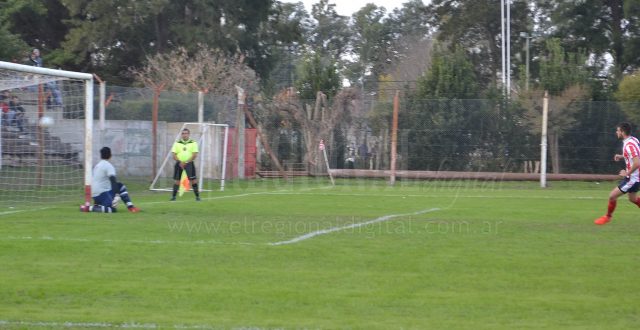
point(42, 111)
point(210, 162)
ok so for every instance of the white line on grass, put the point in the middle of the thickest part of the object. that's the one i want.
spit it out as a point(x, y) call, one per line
point(134, 241)
point(351, 226)
point(445, 196)
point(208, 198)
point(31, 324)
point(202, 242)
point(277, 192)
point(20, 211)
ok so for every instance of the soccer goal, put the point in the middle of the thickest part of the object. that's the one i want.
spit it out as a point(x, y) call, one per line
point(45, 135)
point(210, 162)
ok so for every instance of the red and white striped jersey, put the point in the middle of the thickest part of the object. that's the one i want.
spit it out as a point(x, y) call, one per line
point(631, 149)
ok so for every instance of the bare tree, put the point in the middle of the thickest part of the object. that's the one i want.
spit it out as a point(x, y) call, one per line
point(562, 111)
point(207, 70)
point(316, 120)
point(412, 63)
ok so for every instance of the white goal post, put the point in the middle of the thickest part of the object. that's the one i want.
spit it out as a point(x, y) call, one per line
point(211, 160)
point(35, 146)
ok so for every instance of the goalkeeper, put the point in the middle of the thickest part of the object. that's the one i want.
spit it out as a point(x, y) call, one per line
point(105, 189)
point(185, 151)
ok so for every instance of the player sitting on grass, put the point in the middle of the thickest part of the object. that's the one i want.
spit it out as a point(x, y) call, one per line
point(631, 176)
point(105, 187)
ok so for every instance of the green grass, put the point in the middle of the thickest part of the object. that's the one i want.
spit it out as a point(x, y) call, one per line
point(493, 255)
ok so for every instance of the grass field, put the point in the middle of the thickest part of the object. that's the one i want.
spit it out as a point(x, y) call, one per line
point(305, 255)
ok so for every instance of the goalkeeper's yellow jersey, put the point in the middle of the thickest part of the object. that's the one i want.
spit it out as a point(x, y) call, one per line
point(184, 150)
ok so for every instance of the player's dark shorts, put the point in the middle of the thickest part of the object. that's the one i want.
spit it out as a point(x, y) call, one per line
point(190, 168)
point(626, 186)
point(106, 198)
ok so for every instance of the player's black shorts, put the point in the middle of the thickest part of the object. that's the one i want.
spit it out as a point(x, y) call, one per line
point(628, 187)
point(190, 168)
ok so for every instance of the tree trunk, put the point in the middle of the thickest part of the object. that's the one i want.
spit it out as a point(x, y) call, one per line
point(312, 159)
point(617, 15)
point(384, 150)
point(554, 151)
point(160, 32)
point(264, 138)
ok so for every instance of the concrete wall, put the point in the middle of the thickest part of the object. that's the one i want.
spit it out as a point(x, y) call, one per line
point(131, 142)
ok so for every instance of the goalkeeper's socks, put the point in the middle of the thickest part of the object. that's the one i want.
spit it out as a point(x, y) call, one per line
point(124, 194)
point(195, 189)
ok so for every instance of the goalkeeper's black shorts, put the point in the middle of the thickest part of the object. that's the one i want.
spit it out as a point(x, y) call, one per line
point(190, 168)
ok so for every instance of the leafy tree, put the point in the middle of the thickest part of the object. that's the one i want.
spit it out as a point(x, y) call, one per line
point(631, 35)
point(317, 74)
point(408, 54)
point(450, 76)
point(13, 48)
point(413, 18)
point(560, 69)
point(592, 135)
point(231, 26)
point(629, 93)
point(282, 36)
point(601, 27)
point(629, 88)
point(379, 119)
point(475, 25)
point(371, 40)
point(330, 34)
point(22, 25)
point(448, 125)
point(564, 75)
point(435, 115)
point(110, 36)
point(40, 24)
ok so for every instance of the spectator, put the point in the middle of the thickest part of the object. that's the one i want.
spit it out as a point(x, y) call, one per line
point(372, 157)
point(363, 152)
point(4, 107)
point(18, 111)
point(350, 161)
point(49, 96)
point(54, 97)
point(55, 92)
point(34, 58)
point(7, 113)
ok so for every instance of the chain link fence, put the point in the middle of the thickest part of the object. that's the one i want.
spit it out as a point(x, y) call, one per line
point(433, 135)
